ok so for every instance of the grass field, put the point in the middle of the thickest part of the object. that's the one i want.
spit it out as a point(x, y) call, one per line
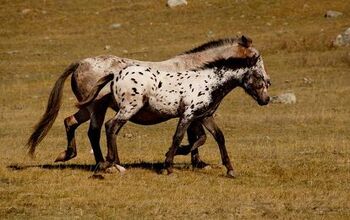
point(292, 161)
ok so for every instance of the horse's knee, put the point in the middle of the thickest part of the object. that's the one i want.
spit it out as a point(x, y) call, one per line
point(202, 139)
point(108, 126)
point(112, 126)
point(70, 123)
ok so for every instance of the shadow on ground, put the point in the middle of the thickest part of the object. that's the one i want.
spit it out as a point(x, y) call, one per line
point(156, 166)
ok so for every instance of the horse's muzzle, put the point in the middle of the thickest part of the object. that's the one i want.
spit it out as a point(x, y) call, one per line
point(264, 101)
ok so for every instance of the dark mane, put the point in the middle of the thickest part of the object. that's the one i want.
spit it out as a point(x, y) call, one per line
point(213, 44)
point(232, 63)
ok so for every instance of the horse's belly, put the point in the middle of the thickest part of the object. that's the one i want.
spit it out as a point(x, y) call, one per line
point(146, 116)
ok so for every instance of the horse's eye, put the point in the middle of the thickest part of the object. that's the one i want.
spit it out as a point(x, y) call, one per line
point(268, 82)
point(259, 85)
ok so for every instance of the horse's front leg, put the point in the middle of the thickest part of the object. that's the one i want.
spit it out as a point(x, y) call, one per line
point(71, 123)
point(210, 124)
point(177, 138)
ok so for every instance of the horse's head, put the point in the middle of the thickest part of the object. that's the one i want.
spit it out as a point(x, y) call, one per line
point(256, 81)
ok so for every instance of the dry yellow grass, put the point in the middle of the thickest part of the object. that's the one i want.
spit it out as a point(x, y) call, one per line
point(293, 161)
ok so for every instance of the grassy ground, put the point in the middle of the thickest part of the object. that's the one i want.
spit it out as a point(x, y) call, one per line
point(293, 161)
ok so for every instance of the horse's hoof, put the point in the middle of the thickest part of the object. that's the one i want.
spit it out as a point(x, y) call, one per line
point(65, 156)
point(200, 165)
point(169, 171)
point(120, 168)
point(103, 166)
point(97, 177)
point(230, 174)
point(111, 169)
point(207, 167)
point(163, 172)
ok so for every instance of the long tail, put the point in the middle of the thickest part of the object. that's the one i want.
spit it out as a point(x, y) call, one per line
point(53, 105)
point(95, 90)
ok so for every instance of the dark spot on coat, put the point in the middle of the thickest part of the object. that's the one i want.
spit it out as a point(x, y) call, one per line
point(140, 73)
point(200, 93)
point(135, 90)
point(159, 85)
point(134, 80)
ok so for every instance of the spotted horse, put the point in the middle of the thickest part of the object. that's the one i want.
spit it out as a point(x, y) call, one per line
point(147, 95)
point(85, 73)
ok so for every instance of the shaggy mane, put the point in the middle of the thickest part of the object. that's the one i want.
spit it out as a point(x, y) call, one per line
point(213, 44)
point(232, 63)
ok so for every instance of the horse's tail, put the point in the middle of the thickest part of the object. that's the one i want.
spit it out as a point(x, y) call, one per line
point(95, 90)
point(53, 105)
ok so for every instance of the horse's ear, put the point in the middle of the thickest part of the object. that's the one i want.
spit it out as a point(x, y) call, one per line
point(245, 41)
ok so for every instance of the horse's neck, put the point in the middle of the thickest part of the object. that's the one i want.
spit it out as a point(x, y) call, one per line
point(197, 60)
point(193, 60)
point(226, 81)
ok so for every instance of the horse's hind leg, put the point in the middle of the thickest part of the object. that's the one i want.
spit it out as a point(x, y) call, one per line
point(98, 113)
point(177, 138)
point(196, 138)
point(71, 123)
point(219, 137)
point(113, 127)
